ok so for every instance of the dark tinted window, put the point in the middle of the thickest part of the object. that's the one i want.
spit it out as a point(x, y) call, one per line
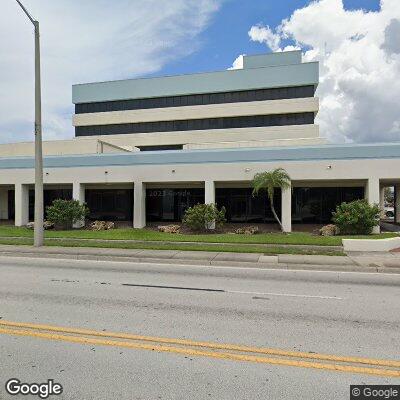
point(316, 204)
point(198, 124)
point(241, 206)
point(162, 147)
point(110, 204)
point(198, 99)
point(171, 204)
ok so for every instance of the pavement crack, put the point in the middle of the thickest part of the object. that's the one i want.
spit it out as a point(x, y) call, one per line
point(174, 287)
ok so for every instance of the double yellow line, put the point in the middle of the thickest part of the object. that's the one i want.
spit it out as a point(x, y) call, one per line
point(355, 365)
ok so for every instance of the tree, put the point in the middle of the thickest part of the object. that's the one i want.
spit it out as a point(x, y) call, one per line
point(268, 181)
point(356, 218)
point(65, 213)
point(204, 216)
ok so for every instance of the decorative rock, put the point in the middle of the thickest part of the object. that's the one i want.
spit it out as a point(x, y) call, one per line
point(110, 225)
point(102, 226)
point(248, 230)
point(46, 225)
point(169, 228)
point(329, 230)
point(30, 225)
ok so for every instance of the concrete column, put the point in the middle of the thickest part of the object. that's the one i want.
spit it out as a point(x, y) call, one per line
point(373, 195)
point(209, 192)
point(287, 209)
point(397, 203)
point(382, 201)
point(209, 197)
point(21, 204)
point(139, 205)
point(3, 203)
point(78, 193)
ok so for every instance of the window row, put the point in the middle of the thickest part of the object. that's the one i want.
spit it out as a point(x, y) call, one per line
point(312, 205)
point(197, 124)
point(198, 99)
point(161, 147)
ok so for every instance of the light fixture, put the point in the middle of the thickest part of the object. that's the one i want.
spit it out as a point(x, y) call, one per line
point(247, 170)
point(329, 167)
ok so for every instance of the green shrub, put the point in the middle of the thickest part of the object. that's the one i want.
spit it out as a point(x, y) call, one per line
point(65, 213)
point(356, 218)
point(203, 216)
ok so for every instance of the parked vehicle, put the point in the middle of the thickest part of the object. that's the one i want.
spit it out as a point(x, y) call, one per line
point(389, 212)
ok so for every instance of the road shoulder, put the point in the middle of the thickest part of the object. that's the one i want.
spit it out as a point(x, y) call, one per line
point(375, 263)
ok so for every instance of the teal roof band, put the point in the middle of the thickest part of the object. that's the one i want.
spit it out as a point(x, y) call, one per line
point(209, 82)
point(249, 155)
point(272, 59)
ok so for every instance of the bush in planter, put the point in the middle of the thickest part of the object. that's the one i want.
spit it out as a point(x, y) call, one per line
point(65, 213)
point(356, 218)
point(204, 217)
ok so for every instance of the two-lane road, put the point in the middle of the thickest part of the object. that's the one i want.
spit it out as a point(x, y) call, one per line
point(132, 331)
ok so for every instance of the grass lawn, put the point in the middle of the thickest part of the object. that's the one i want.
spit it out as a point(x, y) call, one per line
point(174, 246)
point(297, 238)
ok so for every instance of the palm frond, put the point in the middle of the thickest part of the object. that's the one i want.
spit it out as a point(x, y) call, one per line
point(269, 180)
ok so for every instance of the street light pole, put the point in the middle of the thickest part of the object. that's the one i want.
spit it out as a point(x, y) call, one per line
point(38, 230)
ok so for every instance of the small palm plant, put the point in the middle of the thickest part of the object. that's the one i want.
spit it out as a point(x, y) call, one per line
point(268, 181)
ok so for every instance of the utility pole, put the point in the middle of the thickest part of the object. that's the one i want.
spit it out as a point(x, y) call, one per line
point(38, 231)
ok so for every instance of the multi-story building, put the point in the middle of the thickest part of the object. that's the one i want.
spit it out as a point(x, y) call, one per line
point(146, 149)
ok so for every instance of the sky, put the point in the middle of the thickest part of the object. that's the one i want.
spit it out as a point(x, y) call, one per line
point(357, 43)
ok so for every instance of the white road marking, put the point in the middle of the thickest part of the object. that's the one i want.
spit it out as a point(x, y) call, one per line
point(286, 295)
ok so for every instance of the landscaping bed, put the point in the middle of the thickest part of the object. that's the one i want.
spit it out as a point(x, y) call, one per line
point(295, 238)
point(216, 247)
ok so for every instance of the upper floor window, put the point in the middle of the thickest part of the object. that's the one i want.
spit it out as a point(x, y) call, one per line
point(161, 147)
point(198, 99)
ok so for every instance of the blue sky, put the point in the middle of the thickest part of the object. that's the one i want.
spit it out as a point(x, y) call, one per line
point(97, 40)
point(226, 37)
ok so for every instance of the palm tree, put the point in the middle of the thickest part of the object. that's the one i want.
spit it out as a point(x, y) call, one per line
point(269, 180)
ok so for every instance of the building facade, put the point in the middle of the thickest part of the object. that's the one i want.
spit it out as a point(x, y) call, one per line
point(146, 149)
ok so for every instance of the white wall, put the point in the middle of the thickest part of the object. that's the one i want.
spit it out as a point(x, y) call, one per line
point(256, 143)
point(210, 136)
point(292, 135)
point(304, 171)
point(285, 106)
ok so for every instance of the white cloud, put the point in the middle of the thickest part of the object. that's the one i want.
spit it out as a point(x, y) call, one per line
point(359, 54)
point(238, 63)
point(264, 34)
point(392, 37)
point(87, 41)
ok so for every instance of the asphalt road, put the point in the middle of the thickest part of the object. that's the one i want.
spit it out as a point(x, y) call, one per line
point(342, 314)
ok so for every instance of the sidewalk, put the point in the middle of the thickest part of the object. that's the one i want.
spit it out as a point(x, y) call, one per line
point(365, 262)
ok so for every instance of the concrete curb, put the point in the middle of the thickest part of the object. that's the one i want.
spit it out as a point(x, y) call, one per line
point(310, 259)
point(205, 256)
point(237, 260)
point(155, 242)
point(371, 245)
